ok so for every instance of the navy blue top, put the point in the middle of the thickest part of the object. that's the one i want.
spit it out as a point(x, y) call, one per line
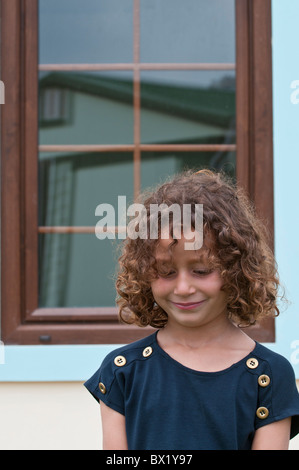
point(172, 407)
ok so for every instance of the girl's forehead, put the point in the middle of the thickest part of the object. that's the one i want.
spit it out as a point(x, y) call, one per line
point(169, 249)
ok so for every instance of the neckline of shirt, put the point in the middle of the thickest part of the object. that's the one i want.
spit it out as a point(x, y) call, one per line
point(198, 372)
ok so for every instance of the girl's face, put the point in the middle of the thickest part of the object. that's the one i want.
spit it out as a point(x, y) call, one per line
point(186, 288)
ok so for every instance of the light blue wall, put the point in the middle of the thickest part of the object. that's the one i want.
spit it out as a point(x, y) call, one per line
point(68, 363)
point(286, 170)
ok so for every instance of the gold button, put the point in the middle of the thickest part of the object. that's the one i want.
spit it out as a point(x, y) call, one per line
point(102, 388)
point(120, 361)
point(252, 363)
point(147, 351)
point(262, 412)
point(263, 380)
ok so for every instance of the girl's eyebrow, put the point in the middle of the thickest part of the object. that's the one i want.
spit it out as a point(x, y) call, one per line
point(202, 259)
point(163, 259)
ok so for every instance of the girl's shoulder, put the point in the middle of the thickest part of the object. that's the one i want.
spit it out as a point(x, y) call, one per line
point(106, 384)
point(128, 353)
point(278, 363)
point(120, 358)
point(277, 383)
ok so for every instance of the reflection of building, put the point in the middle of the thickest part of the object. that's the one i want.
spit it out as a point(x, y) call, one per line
point(77, 106)
point(88, 108)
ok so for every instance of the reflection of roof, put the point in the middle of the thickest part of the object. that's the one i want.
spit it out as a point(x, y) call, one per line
point(210, 105)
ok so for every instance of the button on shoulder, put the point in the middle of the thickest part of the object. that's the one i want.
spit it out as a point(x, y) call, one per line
point(120, 361)
point(264, 380)
point(252, 363)
point(147, 351)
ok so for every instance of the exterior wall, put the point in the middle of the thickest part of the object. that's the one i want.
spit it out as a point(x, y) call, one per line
point(286, 167)
point(53, 416)
point(48, 416)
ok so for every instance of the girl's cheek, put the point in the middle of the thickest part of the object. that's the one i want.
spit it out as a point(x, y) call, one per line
point(155, 286)
point(159, 286)
point(213, 282)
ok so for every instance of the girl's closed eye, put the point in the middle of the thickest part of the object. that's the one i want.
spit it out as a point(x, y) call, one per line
point(202, 272)
point(166, 272)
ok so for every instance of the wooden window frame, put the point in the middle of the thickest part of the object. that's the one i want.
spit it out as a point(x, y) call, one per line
point(22, 321)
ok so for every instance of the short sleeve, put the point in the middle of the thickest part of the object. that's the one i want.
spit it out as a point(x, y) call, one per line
point(281, 397)
point(107, 385)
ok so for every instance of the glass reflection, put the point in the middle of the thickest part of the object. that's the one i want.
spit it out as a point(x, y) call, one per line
point(85, 108)
point(187, 31)
point(76, 270)
point(72, 185)
point(188, 107)
point(178, 107)
point(85, 31)
point(158, 167)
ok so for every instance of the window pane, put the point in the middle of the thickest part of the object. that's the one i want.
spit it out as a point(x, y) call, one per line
point(188, 107)
point(72, 186)
point(85, 31)
point(187, 31)
point(157, 167)
point(75, 269)
point(85, 108)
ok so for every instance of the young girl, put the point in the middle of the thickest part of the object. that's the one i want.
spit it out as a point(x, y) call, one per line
point(198, 382)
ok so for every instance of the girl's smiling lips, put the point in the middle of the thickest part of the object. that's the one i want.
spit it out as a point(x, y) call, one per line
point(187, 305)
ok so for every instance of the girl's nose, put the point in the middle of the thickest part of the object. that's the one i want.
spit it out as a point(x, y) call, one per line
point(184, 285)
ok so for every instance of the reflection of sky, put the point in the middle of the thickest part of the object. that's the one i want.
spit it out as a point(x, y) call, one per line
point(101, 31)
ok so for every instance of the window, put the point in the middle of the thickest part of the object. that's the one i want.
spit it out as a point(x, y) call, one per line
point(100, 103)
point(54, 107)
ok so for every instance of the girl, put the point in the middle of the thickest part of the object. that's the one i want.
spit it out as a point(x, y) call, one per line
point(198, 382)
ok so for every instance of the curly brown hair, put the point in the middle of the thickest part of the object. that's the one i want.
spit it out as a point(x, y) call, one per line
point(240, 251)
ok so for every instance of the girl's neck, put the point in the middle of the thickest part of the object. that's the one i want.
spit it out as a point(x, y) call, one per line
point(204, 336)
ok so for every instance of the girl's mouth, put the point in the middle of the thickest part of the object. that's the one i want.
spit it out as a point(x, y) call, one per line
point(187, 305)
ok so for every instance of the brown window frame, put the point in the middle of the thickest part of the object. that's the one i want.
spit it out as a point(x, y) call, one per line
point(23, 322)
